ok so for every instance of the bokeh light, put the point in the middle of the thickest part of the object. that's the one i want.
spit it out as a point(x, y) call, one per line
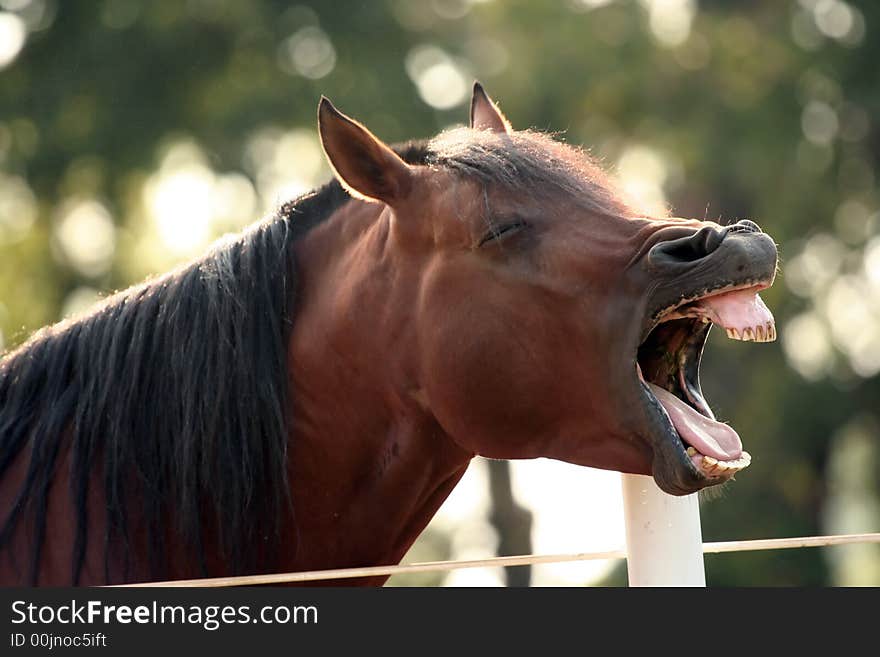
point(671, 20)
point(808, 346)
point(12, 37)
point(79, 301)
point(190, 204)
point(642, 172)
point(18, 209)
point(308, 52)
point(284, 163)
point(441, 80)
point(86, 236)
point(179, 198)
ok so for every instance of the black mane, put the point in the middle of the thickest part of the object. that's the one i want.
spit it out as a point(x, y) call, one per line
point(176, 390)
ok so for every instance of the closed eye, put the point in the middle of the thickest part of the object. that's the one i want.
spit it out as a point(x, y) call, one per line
point(504, 230)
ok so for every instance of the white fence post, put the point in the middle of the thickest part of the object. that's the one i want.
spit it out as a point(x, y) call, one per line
point(664, 542)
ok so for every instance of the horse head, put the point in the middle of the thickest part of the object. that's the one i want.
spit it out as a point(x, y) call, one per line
point(526, 308)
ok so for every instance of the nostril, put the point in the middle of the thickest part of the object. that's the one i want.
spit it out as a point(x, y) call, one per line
point(689, 249)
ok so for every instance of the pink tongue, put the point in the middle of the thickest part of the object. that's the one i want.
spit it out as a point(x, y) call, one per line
point(740, 309)
point(706, 436)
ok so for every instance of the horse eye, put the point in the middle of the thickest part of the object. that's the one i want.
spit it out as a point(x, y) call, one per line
point(497, 232)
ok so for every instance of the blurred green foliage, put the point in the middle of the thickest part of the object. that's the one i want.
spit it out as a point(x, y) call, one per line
point(766, 110)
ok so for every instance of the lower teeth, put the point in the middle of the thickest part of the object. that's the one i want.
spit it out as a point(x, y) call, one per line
point(711, 465)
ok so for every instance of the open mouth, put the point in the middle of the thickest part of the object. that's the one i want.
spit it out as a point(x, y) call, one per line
point(668, 366)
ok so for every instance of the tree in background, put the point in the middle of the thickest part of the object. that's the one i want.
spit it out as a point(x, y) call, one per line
point(133, 132)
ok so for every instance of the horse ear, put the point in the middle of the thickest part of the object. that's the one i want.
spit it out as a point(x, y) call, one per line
point(485, 114)
point(364, 165)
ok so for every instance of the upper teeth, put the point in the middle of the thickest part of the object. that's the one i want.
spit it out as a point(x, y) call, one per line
point(761, 333)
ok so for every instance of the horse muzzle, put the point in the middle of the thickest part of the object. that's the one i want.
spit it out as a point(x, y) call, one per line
point(712, 276)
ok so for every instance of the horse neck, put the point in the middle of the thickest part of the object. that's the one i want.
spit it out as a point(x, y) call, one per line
point(369, 466)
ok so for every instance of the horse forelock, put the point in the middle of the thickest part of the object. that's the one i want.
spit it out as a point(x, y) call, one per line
point(532, 162)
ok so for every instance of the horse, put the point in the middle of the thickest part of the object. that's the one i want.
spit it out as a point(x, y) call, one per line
point(306, 393)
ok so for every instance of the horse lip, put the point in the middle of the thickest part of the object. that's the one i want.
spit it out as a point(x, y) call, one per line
point(748, 259)
point(672, 468)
